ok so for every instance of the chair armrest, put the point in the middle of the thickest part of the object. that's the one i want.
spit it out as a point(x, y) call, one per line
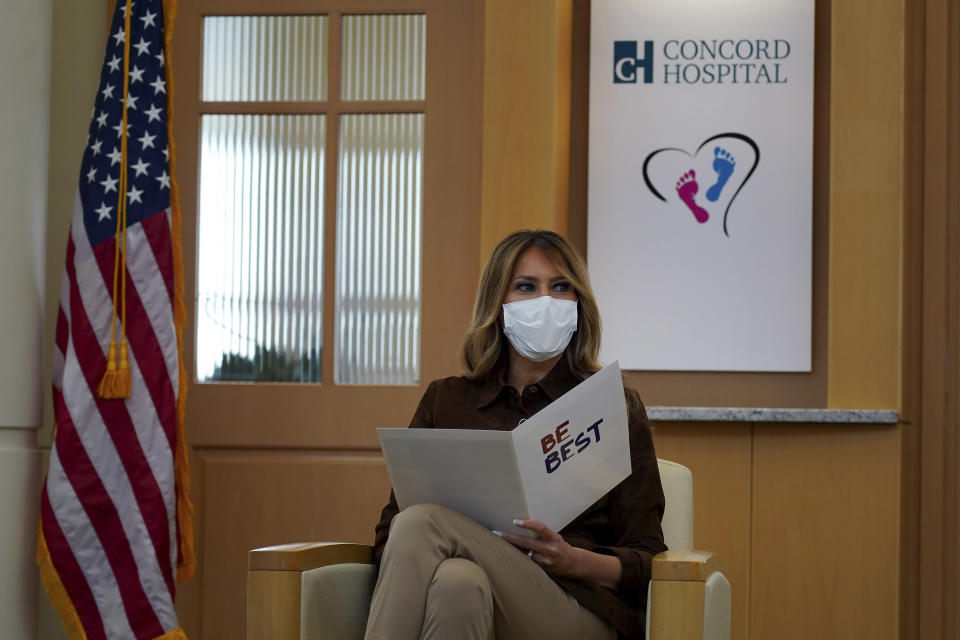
point(686, 565)
point(274, 583)
point(689, 597)
point(303, 556)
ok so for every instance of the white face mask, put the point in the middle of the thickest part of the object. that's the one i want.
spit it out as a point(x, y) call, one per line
point(540, 329)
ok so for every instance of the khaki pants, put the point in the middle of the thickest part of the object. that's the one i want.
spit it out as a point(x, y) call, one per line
point(444, 576)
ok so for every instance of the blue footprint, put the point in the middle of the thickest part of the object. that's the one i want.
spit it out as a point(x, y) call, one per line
point(723, 164)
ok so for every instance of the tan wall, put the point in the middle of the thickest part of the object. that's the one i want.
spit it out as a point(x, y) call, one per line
point(867, 192)
point(526, 118)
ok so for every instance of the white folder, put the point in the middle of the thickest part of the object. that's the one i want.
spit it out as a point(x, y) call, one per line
point(551, 468)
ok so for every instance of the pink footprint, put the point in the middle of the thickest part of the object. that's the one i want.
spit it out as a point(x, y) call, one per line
point(687, 188)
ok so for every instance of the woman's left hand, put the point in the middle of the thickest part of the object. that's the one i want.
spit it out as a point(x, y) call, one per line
point(548, 549)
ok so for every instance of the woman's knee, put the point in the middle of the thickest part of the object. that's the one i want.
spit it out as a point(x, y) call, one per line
point(459, 584)
point(416, 519)
point(413, 529)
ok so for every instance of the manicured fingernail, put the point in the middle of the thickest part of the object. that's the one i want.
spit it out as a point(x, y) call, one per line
point(497, 533)
point(518, 522)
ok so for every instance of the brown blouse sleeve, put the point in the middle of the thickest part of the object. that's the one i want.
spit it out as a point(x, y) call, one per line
point(636, 508)
point(422, 418)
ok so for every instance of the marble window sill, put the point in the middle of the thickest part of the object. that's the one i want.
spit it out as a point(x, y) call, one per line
point(746, 414)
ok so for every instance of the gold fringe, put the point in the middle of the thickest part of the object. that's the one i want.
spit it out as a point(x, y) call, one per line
point(188, 560)
point(57, 595)
point(61, 602)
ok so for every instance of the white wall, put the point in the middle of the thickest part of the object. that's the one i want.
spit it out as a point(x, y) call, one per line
point(24, 134)
point(78, 37)
point(51, 52)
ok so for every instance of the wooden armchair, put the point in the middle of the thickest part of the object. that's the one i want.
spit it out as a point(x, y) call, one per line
point(322, 590)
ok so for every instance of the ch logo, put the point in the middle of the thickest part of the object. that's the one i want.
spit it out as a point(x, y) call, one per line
point(626, 63)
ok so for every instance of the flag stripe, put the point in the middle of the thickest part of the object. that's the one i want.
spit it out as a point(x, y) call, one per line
point(160, 311)
point(79, 406)
point(161, 459)
point(56, 370)
point(71, 576)
point(63, 331)
point(117, 421)
point(152, 254)
point(158, 232)
point(150, 292)
point(143, 346)
point(137, 413)
point(103, 455)
point(60, 348)
point(105, 521)
point(87, 550)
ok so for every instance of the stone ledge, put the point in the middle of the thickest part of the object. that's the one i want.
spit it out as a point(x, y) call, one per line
point(747, 414)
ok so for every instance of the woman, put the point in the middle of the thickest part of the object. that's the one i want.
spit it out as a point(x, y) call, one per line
point(534, 335)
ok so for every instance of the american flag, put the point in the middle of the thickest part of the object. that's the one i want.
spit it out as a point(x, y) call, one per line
point(116, 525)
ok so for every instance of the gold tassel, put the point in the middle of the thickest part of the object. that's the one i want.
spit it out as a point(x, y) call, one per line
point(108, 381)
point(115, 383)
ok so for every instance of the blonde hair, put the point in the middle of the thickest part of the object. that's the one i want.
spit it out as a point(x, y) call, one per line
point(484, 342)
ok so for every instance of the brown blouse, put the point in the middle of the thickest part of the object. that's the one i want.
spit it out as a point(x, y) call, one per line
point(624, 523)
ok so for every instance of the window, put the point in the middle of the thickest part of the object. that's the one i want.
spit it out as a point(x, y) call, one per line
point(268, 130)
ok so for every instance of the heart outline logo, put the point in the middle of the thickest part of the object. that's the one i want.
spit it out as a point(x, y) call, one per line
point(739, 136)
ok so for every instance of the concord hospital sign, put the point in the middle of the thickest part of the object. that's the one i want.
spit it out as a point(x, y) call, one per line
point(702, 61)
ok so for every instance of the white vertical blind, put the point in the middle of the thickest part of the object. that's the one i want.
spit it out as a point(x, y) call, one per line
point(268, 58)
point(377, 315)
point(384, 57)
point(260, 247)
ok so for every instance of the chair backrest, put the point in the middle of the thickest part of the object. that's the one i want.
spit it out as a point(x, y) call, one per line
point(677, 523)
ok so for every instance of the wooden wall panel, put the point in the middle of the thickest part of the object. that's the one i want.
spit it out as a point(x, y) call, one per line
point(932, 550)
point(866, 204)
point(526, 118)
point(826, 532)
point(259, 498)
point(720, 459)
